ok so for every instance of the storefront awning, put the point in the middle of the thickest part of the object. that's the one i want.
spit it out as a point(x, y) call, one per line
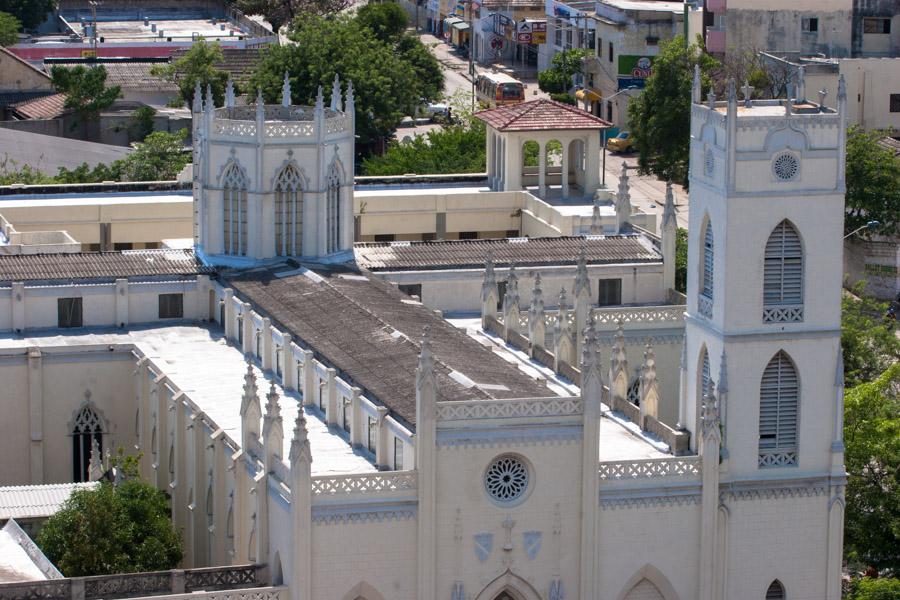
point(587, 95)
point(450, 21)
point(460, 25)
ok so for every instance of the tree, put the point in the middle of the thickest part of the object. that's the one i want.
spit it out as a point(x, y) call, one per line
point(660, 117)
point(872, 456)
point(557, 79)
point(9, 29)
point(197, 64)
point(85, 90)
point(142, 122)
point(681, 252)
point(873, 183)
point(455, 149)
point(876, 589)
point(30, 13)
point(282, 12)
point(745, 65)
point(160, 158)
point(112, 529)
point(869, 344)
point(388, 86)
point(387, 20)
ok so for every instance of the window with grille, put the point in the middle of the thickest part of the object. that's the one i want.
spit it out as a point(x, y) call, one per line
point(234, 190)
point(775, 591)
point(373, 432)
point(68, 311)
point(783, 276)
point(171, 306)
point(876, 25)
point(706, 272)
point(288, 211)
point(609, 292)
point(779, 397)
point(398, 454)
point(333, 210)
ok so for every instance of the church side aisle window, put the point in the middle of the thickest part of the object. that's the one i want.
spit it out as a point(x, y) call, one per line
point(783, 276)
point(234, 191)
point(779, 397)
point(775, 591)
point(332, 211)
point(86, 428)
point(705, 301)
point(288, 211)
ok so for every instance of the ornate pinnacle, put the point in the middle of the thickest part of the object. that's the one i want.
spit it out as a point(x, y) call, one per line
point(710, 414)
point(732, 91)
point(669, 209)
point(250, 392)
point(723, 375)
point(260, 106)
point(320, 100)
point(198, 97)
point(596, 224)
point(229, 92)
point(695, 89)
point(537, 297)
point(273, 409)
point(711, 98)
point(336, 93)
point(563, 304)
point(209, 98)
point(624, 194)
point(300, 451)
point(349, 99)
point(842, 89)
point(590, 352)
point(512, 287)
point(426, 357)
point(801, 84)
point(648, 368)
point(286, 91)
point(582, 283)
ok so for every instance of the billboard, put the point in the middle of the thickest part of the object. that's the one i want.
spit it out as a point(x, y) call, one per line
point(634, 69)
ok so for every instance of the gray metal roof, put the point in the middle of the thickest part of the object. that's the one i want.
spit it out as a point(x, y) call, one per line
point(371, 333)
point(100, 265)
point(47, 153)
point(471, 254)
point(36, 501)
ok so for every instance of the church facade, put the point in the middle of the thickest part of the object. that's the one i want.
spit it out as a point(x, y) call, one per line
point(305, 414)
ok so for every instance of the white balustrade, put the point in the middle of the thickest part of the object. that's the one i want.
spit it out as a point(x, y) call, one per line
point(508, 409)
point(638, 314)
point(687, 467)
point(363, 483)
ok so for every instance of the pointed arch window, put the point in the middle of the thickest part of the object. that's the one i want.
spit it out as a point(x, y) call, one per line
point(705, 300)
point(288, 211)
point(775, 591)
point(704, 375)
point(779, 400)
point(783, 276)
point(229, 528)
point(234, 194)
point(86, 427)
point(333, 210)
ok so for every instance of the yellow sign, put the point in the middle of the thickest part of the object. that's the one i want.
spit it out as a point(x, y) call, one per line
point(538, 37)
point(88, 54)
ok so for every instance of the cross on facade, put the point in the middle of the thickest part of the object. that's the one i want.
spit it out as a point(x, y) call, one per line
point(748, 93)
point(823, 93)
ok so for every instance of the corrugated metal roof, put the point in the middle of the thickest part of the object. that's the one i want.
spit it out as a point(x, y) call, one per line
point(471, 254)
point(47, 153)
point(47, 107)
point(100, 265)
point(37, 501)
point(540, 115)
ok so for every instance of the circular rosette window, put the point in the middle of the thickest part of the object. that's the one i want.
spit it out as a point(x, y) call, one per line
point(506, 479)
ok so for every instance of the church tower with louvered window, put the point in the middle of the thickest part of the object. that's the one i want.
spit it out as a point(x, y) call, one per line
point(763, 308)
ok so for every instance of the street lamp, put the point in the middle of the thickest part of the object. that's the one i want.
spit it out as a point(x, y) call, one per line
point(868, 226)
point(603, 168)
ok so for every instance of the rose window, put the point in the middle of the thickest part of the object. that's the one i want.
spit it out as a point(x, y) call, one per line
point(786, 167)
point(506, 479)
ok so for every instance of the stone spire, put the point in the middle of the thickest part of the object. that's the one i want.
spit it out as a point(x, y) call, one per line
point(95, 466)
point(286, 90)
point(723, 375)
point(229, 92)
point(250, 409)
point(489, 291)
point(565, 344)
point(198, 98)
point(511, 297)
point(649, 385)
point(618, 365)
point(801, 84)
point(260, 106)
point(336, 93)
point(711, 98)
point(320, 101)
point(669, 209)
point(300, 451)
point(623, 200)
point(696, 87)
point(582, 283)
point(210, 104)
point(273, 429)
point(710, 415)
point(536, 307)
point(596, 222)
point(349, 98)
point(842, 89)
point(732, 97)
point(590, 355)
point(668, 238)
point(425, 369)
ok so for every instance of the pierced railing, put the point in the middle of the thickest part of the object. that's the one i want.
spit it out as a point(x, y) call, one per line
point(705, 306)
point(786, 313)
point(638, 315)
point(127, 585)
point(777, 458)
point(508, 409)
point(221, 578)
point(52, 589)
point(262, 593)
point(687, 467)
point(363, 483)
point(233, 128)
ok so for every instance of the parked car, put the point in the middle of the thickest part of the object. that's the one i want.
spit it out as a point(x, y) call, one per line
point(621, 143)
point(437, 111)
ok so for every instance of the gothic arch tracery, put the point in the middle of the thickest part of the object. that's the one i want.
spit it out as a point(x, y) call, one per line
point(235, 185)
point(288, 186)
point(333, 183)
point(647, 580)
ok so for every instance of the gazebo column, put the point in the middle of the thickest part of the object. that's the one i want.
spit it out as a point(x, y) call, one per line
point(592, 161)
point(513, 164)
point(542, 168)
point(565, 168)
point(501, 163)
point(491, 169)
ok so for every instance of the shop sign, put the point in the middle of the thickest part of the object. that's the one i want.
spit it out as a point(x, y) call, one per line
point(635, 66)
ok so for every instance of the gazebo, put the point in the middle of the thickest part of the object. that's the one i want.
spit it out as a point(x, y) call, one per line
point(569, 131)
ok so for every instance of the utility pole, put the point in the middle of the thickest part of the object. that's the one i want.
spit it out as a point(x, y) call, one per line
point(93, 4)
point(472, 49)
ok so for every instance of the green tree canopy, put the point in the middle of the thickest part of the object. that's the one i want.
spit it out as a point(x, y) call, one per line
point(282, 12)
point(660, 117)
point(112, 529)
point(85, 89)
point(387, 20)
point(557, 79)
point(197, 64)
point(873, 183)
point(869, 343)
point(872, 458)
point(876, 589)
point(9, 29)
point(388, 86)
point(455, 149)
point(30, 13)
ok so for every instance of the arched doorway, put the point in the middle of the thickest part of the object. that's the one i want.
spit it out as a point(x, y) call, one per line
point(509, 586)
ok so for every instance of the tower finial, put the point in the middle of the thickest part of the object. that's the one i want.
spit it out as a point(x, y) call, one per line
point(696, 88)
point(300, 450)
point(425, 367)
point(669, 208)
point(336, 93)
point(596, 222)
point(320, 100)
point(229, 92)
point(349, 99)
point(286, 90)
point(260, 105)
point(198, 97)
point(210, 105)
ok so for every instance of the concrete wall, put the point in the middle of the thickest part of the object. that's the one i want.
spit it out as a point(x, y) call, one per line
point(768, 26)
point(18, 76)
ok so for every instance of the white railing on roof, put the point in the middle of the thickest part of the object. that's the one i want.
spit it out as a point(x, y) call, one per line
point(363, 483)
point(687, 467)
point(459, 410)
point(632, 315)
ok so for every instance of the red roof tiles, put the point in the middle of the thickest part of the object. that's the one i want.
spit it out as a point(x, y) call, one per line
point(540, 115)
point(48, 107)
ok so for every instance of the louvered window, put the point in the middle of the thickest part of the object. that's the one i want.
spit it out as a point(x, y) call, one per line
point(333, 211)
point(775, 591)
point(704, 302)
point(288, 211)
point(234, 193)
point(783, 276)
point(779, 397)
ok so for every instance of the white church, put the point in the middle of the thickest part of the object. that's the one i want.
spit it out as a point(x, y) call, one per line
point(304, 413)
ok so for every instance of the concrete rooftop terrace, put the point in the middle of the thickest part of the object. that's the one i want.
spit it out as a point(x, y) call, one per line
point(135, 30)
point(210, 372)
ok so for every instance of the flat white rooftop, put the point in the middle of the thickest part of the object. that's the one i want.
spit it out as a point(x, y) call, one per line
point(130, 31)
point(210, 372)
point(76, 199)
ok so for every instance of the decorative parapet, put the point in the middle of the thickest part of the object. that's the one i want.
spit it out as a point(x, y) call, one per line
point(263, 593)
point(280, 122)
point(683, 467)
point(136, 585)
point(508, 409)
point(364, 484)
point(638, 315)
